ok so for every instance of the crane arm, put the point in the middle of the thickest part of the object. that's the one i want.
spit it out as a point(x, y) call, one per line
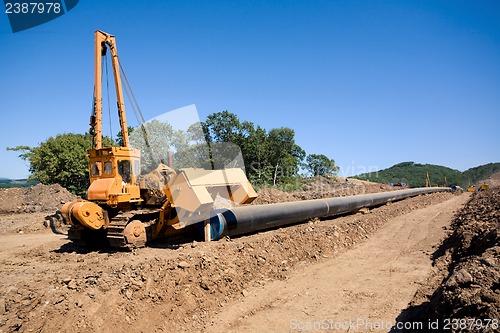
point(103, 41)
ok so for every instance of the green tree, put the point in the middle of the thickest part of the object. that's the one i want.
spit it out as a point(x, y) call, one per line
point(285, 156)
point(226, 137)
point(223, 127)
point(155, 139)
point(256, 156)
point(271, 158)
point(191, 149)
point(62, 159)
point(119, 136)
point(319, 164)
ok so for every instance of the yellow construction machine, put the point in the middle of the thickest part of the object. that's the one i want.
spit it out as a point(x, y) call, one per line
point(478, 188)
point(484, 187)
point(126, 209)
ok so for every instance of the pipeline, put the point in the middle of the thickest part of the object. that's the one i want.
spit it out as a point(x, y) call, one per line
point(246, 219)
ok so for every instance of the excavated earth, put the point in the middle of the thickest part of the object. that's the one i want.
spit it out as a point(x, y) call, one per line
point(463, 293)
point(321, 187)
point(50, 285)
point(39, 198)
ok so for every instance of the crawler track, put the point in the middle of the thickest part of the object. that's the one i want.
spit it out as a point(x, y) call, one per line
point(114, 235)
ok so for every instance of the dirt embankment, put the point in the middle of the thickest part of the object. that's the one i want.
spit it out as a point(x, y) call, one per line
point(39, 198)
point(492, 181)
point(321, 187)
point(464, 294)
point(32, 210)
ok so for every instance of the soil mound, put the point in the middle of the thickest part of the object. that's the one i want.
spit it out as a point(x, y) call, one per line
point(272, 195)
point(321, 187)
point(467, 288)
point(39, 198)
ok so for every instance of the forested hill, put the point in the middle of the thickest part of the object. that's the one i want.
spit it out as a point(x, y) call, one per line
point(414, 174)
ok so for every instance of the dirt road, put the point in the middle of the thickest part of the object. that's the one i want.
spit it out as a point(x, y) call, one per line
point(363, 289)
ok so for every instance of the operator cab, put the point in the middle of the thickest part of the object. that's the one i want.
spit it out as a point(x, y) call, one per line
point(113, 175)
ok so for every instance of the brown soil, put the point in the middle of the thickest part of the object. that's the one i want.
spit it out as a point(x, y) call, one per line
point(493, 181)
point(49, 285)
point(465, 288)
point(321, 187)
point(39, 198)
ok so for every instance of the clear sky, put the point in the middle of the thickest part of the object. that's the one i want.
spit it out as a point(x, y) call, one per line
point(367, 83)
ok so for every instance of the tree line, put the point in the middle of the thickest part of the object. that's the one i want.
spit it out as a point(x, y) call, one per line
point(270, 157)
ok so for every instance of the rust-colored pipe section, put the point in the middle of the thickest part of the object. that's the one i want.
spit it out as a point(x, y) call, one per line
point(247, 219)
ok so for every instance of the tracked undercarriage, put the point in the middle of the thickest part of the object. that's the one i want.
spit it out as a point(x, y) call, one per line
point(125, 231)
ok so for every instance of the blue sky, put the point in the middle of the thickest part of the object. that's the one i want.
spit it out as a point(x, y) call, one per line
point(367, 83)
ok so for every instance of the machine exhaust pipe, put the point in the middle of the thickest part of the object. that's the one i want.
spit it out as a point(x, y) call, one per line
point(247, 219)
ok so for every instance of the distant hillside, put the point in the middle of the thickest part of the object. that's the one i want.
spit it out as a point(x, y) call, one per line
point(9, 183)
point(482, 172)
point(414, 174)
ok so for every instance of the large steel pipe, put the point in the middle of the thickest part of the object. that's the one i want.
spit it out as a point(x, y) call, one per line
point(246, 219)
